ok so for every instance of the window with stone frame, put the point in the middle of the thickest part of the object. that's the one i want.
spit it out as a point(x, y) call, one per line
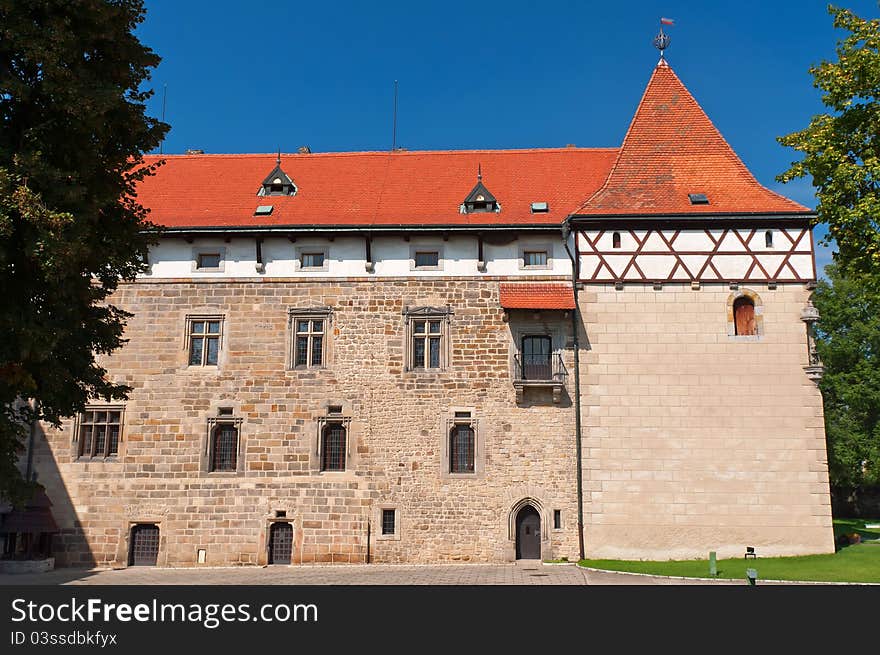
point(334, 447)
point(99, 431)
point(309, 330)
point(427, 338)
point(204, 339)
point(462, 452)
point(389, 521)
point(223, 447)
point(462, 448)
point(333, 440)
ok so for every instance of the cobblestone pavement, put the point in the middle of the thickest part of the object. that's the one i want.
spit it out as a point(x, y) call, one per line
point(344, 574)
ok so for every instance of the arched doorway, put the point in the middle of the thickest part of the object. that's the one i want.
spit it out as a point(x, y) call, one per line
point(280, 543)
point(528, 533)
point(144, 545)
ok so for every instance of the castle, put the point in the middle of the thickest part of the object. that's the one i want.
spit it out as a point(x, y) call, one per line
point(463, 356)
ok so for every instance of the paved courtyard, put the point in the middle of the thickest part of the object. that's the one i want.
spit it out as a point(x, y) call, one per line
point(528, 573)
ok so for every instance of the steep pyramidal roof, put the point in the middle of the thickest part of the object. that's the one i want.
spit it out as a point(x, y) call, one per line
point(672, 150)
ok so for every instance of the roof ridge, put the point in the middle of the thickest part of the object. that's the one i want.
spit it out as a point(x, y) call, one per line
point(379, 153)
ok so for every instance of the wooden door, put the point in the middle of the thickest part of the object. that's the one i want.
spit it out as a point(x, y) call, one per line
point(528, 533)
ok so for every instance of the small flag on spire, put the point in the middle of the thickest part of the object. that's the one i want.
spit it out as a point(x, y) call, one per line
point(667, 21)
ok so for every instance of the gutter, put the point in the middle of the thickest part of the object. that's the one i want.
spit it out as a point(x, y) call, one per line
point(354, 229)
point(566, 232)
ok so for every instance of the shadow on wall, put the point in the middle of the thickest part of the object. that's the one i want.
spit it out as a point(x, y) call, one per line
point(69, 546)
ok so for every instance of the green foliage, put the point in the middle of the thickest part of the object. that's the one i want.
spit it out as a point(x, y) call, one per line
point(73, 131)
point(849, 346)
point(842, 148)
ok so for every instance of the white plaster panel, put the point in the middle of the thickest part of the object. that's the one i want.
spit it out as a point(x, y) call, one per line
point(583, 243)
point(732, 267)
point(771, 263)
point(731, 243)
point(803, 264)
point(655, 244)
point(694, 262)
point(656, 267)
point(794, 234)
point(173, 257)
point(588, 265)
point(693, 240)
point(618, 263)
point(716, 235)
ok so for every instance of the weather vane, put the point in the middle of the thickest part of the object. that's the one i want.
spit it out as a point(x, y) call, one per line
point(661, 41)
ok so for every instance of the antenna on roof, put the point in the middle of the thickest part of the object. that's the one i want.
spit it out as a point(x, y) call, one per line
point(278, 158)
point(661, 41)
point(479, 172)
point(394, 124)
point(164, 97)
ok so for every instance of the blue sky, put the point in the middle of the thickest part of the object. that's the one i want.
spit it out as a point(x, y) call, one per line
point(252, 77)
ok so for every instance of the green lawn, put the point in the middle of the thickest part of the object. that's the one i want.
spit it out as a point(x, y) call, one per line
point(856, 563)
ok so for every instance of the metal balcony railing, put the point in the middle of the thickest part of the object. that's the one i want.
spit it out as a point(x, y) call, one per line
point(539, 368)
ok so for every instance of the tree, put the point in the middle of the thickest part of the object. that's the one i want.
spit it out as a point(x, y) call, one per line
point(73, 132)
point(842, 149)
point(849, 346)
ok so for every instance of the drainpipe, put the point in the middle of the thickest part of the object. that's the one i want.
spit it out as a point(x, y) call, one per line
point(566, 232)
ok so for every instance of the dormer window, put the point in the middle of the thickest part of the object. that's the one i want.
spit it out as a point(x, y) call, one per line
point(277, 183)
point(480, 200)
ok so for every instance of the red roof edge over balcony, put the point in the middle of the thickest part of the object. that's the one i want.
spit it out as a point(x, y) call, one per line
point(523, 295)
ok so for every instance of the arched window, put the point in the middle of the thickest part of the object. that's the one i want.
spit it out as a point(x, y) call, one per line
point(744, 320)
point(461, 449)
point(768, 238)
point(333, 447)
point(615, 240)
point(224, 456)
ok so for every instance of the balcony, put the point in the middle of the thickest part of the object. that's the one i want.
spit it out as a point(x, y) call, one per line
point(539, 371)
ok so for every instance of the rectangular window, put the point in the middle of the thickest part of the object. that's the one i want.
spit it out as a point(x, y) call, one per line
point(535, 258)
point(224, 447)
point(557, 519)
point(204, 336)
point(309, 343)
point(312, 260)
point(99, 429)
point(388, 521)
point(426, 343)
point(333, 447)
point(427, 259)
point(210, 260)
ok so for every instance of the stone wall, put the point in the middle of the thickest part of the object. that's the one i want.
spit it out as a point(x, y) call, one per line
point(399, 423)
point(697, 440)
point(694, 440)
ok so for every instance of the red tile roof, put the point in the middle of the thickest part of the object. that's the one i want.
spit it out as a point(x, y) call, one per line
point(672, 149)
point(527, 295)
point(373, 188)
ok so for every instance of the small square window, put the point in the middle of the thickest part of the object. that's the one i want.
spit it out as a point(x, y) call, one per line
point(427, 259)
point(389, 517)
point(208, 260)
point(535, 258)
point(312, 260)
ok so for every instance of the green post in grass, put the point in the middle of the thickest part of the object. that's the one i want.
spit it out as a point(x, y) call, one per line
point(713, 564)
